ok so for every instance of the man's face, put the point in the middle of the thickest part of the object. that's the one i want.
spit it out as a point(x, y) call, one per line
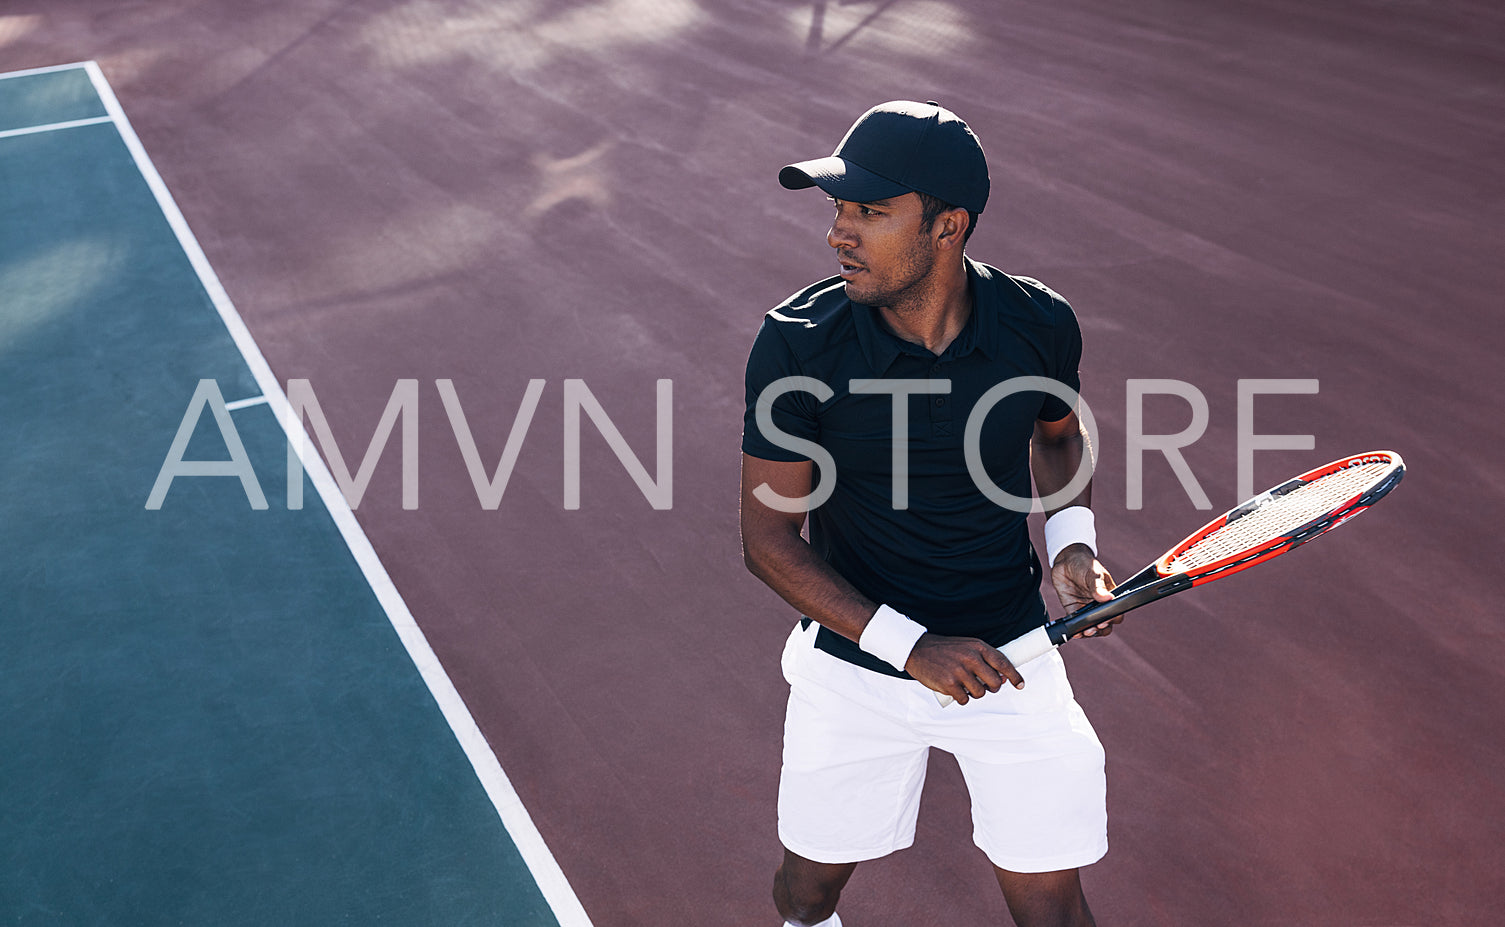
point(885, 256)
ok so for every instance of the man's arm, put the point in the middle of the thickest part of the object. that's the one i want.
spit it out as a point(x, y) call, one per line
point(776, 553)
point(1057, 450)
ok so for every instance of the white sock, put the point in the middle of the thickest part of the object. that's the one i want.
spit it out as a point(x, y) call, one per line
point(833, 921)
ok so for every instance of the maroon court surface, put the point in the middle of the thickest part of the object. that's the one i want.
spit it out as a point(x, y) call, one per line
point(493, 193)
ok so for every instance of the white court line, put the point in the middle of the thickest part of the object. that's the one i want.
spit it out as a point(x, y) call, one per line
point(54, 126)
point(529, 842)
point(245, 403)
point(47, 70)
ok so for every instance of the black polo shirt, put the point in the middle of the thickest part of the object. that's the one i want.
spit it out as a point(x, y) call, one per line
point(953, 560)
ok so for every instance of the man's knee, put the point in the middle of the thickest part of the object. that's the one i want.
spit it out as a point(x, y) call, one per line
point(806, 892)
point(1045, 899)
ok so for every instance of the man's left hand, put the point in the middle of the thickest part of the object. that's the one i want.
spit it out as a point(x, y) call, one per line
point(1081, 580)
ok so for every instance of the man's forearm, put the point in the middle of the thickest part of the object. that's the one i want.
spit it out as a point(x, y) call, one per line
point(790, 567)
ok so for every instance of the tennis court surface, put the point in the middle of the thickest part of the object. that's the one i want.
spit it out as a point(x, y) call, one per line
point(213, 713)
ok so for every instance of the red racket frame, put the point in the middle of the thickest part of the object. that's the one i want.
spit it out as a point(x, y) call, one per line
point(1158, 580)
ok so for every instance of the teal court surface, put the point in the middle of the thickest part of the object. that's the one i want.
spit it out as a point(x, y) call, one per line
point(214, 713)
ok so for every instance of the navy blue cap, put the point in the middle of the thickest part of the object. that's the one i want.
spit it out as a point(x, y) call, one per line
point(896, 148)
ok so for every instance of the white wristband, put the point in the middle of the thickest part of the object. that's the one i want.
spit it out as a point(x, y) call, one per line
point(890, 637)
point(1074, 525)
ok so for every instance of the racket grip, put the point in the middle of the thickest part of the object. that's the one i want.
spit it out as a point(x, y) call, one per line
point(1019, 651)
point(1027, 647)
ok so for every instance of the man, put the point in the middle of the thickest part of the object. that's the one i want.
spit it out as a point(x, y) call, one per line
point(862, 392)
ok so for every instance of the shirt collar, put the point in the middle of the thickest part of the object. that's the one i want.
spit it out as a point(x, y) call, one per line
point(880, 346)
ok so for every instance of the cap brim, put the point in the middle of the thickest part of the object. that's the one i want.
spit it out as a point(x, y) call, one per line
point(842, 179)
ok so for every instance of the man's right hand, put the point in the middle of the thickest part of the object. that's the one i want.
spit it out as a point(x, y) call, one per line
point(961, 667)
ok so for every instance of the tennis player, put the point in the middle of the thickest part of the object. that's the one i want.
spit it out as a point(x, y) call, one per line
point(861, 395)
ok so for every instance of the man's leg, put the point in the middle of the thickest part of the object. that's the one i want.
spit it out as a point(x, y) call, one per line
point(1035, 772)
point(806, 892)
point(1045, 899)
point(852, 774)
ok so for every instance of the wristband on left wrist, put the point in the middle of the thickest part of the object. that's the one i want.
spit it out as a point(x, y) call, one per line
point(1073, 525)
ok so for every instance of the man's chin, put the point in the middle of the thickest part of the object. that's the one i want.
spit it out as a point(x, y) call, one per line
point(857, 295)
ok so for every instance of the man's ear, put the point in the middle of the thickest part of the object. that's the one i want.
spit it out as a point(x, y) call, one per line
point(951, 227)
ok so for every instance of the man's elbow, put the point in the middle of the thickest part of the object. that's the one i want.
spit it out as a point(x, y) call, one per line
point(1054, 439)
point(752, 557)
point(760, 554)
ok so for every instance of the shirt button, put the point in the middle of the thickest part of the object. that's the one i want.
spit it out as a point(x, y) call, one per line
point(940, 402)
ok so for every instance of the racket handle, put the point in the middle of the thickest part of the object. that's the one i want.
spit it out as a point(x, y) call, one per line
point(1127, 597)
point(1019, 651)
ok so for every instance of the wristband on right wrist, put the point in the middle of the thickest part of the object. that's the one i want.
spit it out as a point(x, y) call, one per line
point(890, 636)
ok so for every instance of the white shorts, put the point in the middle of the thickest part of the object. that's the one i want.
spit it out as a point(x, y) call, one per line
point(856, 745)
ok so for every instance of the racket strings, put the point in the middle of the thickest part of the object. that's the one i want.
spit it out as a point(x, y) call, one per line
point(1277, 516)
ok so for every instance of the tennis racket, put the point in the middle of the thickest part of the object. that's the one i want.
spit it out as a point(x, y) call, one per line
point(1270, 524)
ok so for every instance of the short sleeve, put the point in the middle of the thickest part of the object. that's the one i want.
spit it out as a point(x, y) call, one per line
point(770, 360)
point(1066, 358)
